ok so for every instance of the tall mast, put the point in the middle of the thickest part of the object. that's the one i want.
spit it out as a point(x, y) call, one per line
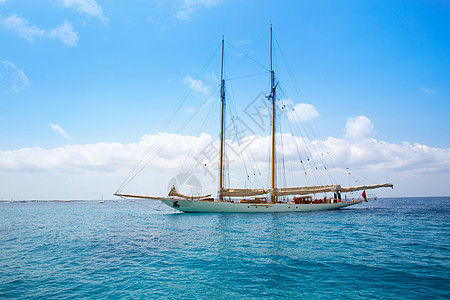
point(272, 95)
point(222, 125)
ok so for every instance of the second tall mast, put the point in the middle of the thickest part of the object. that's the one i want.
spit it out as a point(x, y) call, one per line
point(272, 96)
point(222, 126)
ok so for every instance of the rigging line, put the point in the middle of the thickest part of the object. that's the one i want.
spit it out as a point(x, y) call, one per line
point(168, 143)
point(298, 91)
point(147, 206)
point(312, 144)
point(269, 160)
point(208, 118)
point(244, 152)
point(351, 171)
point(282, 154)
point(307, 150)
point(331, 152)
point(246, 55)
point(193, 86)
point(242, 59)
point(235, 126)
point(300, 95)
point(235, 116)
point(247, 76)
point(233, 112)
point(298, 150)
point(330, 163)
point(255, 170)
point(359, 174)
point(228, 100)
point(323, 149)
point(168, 120)
point(165, 124)
point(292, 77)
point(291, 74)
point(303, 162)
point(289, 165)
point(254, 164)
point(247, 150)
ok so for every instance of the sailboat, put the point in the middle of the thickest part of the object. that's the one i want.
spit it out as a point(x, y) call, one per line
point(271, 199)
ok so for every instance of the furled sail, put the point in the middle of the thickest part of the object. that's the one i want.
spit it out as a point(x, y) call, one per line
point(365, 187)
point(301, 190)
point(304, 190)
point(226, 192)
point(173, 192)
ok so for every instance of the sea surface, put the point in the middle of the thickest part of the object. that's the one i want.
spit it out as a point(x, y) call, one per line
point(395, 248)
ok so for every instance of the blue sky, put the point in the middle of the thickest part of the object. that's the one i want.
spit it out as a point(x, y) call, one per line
point(75, 73)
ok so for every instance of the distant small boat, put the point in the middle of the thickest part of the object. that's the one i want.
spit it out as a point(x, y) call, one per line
point(272, 199)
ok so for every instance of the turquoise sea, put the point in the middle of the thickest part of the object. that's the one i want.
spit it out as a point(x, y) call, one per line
point(395, 248)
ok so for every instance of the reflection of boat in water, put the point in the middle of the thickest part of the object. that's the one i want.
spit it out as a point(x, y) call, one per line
point(272, 199)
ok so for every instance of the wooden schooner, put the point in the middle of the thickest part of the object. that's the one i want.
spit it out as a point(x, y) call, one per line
point(272, 199)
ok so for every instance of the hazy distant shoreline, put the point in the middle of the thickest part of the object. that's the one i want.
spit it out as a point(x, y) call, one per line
point(126, 200)
point(33, 201)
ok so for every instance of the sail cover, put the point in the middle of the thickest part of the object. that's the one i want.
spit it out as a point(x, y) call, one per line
point(226, 192)
point(173, 192)
point(301, 190)
point(304, 190)
point(326, 188)
point(365, 187)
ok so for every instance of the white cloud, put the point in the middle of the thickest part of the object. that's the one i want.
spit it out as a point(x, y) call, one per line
point(20, 26)
point(106, 157)
point(186, 8)
point(12, 77)
point(58, 129)
point(197, 85)
point(102, 157)
point(89, 7)
point(65, 33)
point(300, 112)
point(359, 128)
point(395, 161)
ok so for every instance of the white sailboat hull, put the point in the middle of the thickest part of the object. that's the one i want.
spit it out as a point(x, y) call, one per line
point(194, 206)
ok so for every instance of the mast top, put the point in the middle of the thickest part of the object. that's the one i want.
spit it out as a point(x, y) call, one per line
point(271, 68)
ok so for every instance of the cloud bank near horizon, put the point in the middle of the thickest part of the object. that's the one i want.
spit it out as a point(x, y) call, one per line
point(170, 151)
point(81, 171)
